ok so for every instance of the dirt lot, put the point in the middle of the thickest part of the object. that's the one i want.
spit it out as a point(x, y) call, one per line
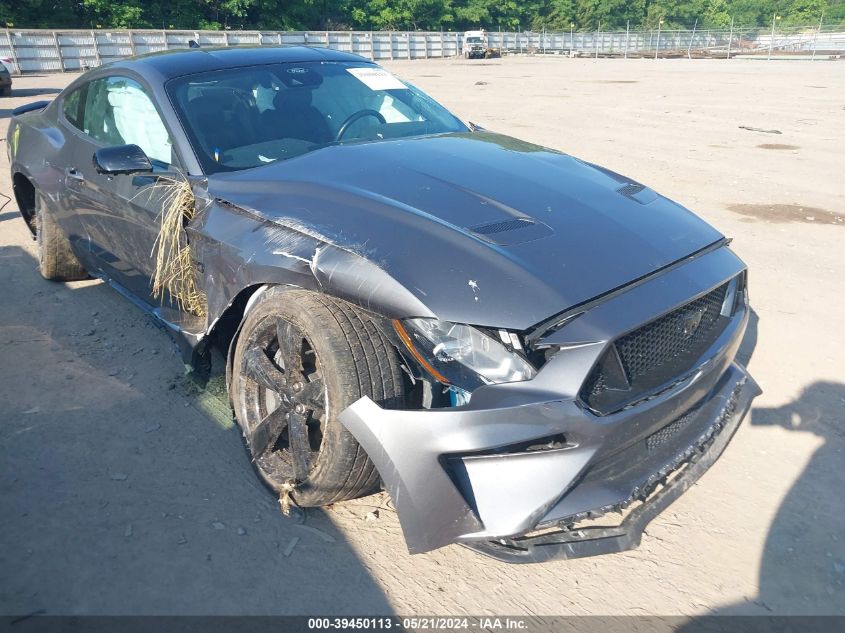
point(123, 490)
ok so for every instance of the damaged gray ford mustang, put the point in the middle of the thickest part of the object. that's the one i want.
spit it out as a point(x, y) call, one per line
point(534, 355)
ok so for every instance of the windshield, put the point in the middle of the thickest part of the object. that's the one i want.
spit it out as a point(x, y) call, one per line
point(474, 40)
point(246, 117)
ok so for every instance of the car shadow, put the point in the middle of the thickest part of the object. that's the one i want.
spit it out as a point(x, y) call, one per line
point(805, 546)
point(33, 92)
point(123, 491)
point(802, 570)
point(8, 215)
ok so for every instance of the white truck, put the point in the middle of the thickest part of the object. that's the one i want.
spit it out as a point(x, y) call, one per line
point(476, 45)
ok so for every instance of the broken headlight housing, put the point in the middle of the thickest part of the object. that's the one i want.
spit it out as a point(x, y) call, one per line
point(464, 356)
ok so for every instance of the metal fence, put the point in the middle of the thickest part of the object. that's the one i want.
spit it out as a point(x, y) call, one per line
point(29, 51)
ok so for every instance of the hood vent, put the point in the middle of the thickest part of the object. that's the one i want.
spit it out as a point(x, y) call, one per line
point(631, 189)
point(511, 231)
point(637, 192)
point(502, 226)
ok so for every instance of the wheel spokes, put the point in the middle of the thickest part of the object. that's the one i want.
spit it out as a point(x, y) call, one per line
point(290, 348)
point(313, 395)
point(300, 448)
point(260, 369)
point(264, 436)
point(283, 367)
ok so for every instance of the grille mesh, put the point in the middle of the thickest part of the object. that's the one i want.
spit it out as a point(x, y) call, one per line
point(668, 432)
point(502, 226)
point(678, 332)
point(655, 354)
point(631, 189)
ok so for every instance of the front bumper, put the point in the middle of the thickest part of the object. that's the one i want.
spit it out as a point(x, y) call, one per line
point(528, 456)
point(656, 494)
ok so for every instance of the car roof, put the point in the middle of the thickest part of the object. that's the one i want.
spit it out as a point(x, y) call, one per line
point(169, 64)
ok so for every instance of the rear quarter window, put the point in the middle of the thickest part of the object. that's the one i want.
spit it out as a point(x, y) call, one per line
point(72, 108)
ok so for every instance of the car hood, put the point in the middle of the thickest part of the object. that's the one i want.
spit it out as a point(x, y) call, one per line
point(480, 228)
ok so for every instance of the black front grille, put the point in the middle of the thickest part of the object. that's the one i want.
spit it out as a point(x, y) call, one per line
point(656, 354)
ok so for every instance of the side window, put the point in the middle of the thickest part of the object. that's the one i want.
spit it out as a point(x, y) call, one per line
point(71, 106)
point(119, 112)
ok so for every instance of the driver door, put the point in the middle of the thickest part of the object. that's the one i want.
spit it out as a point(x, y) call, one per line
point(123, 210)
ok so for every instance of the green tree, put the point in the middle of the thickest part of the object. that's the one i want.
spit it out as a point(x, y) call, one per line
point(752, 12)
point(39, 14)
point(110, 14)
point(676, 14)
point(804, 11)
point(835, 13)
point(412, 14)
point(717, 14)
point(611, 14)
point(555, 15)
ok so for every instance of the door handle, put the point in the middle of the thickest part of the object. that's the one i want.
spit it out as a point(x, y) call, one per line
point(70, 172)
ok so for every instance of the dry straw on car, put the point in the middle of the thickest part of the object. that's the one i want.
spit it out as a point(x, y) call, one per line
point(174, 264)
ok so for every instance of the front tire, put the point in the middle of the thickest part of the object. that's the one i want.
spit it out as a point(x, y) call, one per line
point(56, 260)
point(300, 359)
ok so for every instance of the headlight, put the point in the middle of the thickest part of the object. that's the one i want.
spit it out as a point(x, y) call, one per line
point(462, 355)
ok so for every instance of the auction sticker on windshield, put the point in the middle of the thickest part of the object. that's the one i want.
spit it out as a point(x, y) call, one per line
point(376, 78)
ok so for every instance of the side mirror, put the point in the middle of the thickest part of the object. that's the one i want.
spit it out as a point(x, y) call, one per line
point(122, 159)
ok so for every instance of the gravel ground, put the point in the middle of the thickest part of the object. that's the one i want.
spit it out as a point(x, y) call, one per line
point(126, 490)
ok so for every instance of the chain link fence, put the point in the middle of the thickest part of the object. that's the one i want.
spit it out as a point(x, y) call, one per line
point(28, 51)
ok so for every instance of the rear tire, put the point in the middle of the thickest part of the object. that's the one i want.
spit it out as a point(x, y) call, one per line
point(323, 355)
point(56, 260)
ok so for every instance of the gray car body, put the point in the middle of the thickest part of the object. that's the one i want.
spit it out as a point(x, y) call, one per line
point(473, 228)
